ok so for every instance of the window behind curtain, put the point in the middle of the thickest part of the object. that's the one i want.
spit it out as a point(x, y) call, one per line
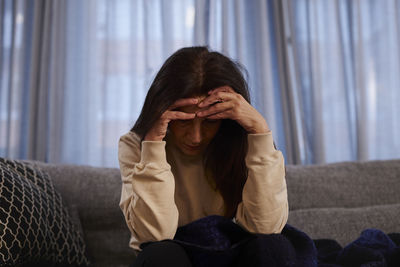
point(344, 70)
point(347, 62)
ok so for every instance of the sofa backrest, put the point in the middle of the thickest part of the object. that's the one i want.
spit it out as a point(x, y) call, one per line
point(345, 184)
point(326, 201)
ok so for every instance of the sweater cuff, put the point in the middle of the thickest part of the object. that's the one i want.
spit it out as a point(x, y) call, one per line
point(153, 151)
point(260, 144)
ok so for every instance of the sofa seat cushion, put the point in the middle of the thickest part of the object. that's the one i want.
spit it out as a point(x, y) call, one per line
point(35, 227)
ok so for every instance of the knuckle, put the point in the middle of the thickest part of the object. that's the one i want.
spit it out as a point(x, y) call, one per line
point(228, 89)
point(234, 113)
point(215, 95)
point(164, 115)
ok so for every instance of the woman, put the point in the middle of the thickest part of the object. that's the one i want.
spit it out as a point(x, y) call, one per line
point(197, 149)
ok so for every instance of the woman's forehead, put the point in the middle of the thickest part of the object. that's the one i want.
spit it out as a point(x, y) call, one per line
point(192, 108)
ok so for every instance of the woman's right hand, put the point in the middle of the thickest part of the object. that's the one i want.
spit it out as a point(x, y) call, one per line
point(159, 129)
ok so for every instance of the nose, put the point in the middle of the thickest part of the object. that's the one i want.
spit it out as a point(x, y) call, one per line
point(195, 135)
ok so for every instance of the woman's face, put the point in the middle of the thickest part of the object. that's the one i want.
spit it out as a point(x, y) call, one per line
point(193, 136)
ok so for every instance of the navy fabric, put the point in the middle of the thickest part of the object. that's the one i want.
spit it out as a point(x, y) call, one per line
point(372, 248)
point(217, 241)
point(164, 253)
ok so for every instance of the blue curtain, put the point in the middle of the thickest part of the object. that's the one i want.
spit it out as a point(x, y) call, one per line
point(345, 62)
point(74, 73)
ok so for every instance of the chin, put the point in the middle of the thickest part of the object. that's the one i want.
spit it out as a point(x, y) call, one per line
point(191, 152)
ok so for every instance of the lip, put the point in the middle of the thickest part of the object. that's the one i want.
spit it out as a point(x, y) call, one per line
point(194, 148)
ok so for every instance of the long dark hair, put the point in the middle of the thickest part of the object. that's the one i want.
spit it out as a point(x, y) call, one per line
point(193, 71)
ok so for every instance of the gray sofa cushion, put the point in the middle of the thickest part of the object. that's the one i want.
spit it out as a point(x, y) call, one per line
point(346, 184)
point(346, 224)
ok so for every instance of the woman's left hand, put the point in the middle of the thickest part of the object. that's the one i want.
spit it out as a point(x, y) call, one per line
point(225, 103)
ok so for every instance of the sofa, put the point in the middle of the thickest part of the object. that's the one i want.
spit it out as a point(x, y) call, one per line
point(330, 201)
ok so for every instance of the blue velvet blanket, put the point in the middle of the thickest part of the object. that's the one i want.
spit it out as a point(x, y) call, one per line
point(372, 248)
point(217, 241)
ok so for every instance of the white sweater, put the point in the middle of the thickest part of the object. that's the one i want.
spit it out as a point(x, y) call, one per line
point(163, 189)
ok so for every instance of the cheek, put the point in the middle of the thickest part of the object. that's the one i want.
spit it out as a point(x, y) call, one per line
point(175, 129)
point(179, 129)
point(211, 131)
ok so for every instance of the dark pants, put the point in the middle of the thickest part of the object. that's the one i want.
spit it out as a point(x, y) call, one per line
point(167, 253)
point(164, 253)
point(287, 249)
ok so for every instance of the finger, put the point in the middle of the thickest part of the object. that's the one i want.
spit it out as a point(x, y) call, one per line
point(220, 115)
point(222, 89)
point(184, 102)
point(215, 98)
point(179, 115)
point(217, 108)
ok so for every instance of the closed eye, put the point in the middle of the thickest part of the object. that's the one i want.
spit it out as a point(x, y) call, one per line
point(211, 121)
point(184, 122)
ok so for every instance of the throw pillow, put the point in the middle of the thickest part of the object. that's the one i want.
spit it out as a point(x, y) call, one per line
point(35, 227)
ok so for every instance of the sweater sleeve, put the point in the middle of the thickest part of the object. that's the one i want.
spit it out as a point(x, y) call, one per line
point(148, 187)
point(264, 206)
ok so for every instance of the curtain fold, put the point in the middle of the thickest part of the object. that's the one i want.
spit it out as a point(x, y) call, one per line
point(31, 78)
point(46, 81)
point(346, 62)
point(114, 51)
point(291, 113)
point(243, 30)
